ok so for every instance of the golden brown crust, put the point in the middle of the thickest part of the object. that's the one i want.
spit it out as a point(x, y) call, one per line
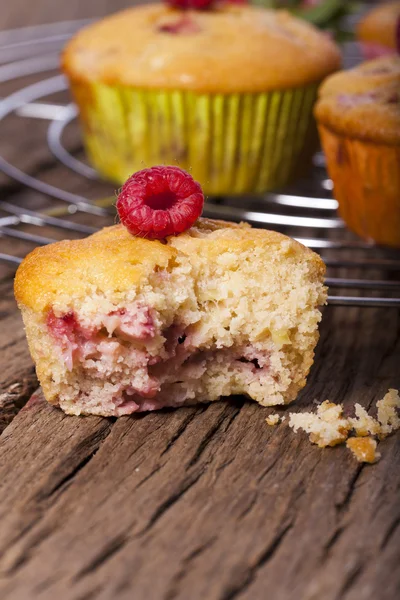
point(242, 238)
point(363, 102)
point(112, 260)
point(235, 49)
point(379, 25)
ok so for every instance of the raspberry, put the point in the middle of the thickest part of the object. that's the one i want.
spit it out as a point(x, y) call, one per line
point(158, 202)
point(200, 4)
point(191, 4)
point(183, 25)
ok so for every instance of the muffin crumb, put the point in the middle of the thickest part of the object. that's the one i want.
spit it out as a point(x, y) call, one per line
point(387, 413)
point(364, 449)
point(326, 427)
point(329, 427)
point(363, 424)
point(273, 419)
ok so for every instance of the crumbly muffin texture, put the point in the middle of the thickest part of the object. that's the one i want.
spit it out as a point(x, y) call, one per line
point(363, 449)
point(118, 324)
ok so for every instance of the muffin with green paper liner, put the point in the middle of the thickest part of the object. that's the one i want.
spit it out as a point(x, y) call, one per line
point(226, 92)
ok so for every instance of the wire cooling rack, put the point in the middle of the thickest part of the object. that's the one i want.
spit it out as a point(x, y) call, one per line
point(359, 274)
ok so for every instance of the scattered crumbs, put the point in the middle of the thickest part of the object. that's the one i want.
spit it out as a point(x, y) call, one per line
point(364, 449)
point(363, 424)
point(328, 426)
point(273, 419)
point(387, 413)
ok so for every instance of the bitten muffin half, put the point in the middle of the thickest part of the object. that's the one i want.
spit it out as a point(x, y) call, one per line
point(226, 93)
point(118, 324)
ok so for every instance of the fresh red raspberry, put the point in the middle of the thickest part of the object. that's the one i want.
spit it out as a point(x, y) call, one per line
point(158, 202)
point(191, 4)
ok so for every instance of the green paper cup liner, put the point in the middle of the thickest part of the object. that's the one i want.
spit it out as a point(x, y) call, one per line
point(230, 143)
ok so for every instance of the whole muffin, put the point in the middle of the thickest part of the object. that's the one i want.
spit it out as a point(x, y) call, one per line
point(232, 86)
point(358, 115)
point(377, 30)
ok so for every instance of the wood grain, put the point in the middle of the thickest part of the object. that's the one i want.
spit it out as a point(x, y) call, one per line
point(207, 502)
point(198, 503)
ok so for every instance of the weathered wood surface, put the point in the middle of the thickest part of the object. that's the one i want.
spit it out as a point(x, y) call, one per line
point(198, 503)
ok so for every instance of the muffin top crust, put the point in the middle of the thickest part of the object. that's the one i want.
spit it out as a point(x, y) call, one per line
point(379, 25)
point(232, 48)
point(112, 261)
point(363, 102)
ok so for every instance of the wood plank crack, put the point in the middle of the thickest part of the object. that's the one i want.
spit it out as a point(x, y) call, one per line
point(173, 590)
point(330, 543)
point(221, 420)
point(390, 533)
point(344, 503)
point(171, 500)
point(87, 448)
point(350, 581)
point(249, 576)
point(15, 397)
point(107, 552)
point(181, 429)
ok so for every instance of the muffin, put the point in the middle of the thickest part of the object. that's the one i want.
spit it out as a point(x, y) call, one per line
point(118, 324)
point(358, 115)
point(232, 87)
point(378, 30)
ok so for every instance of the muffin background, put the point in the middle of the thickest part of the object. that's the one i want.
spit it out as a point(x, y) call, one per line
point(358, 116)
point(227, 106)
point(377, 30)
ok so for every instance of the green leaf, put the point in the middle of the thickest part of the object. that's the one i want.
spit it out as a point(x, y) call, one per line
point(321, 15)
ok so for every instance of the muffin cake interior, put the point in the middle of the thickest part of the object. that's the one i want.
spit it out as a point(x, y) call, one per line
point(220, 310)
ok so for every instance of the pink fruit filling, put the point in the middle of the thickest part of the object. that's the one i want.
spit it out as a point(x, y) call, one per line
point(178, 374)
point(136, 325)
point(134, 375)
point(351, 100)
point(79, 343)
point(69, 334)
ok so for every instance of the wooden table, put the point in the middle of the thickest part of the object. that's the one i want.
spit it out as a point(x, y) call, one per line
point(198, 503)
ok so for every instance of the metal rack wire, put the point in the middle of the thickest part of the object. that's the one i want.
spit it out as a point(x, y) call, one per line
point(308, 212)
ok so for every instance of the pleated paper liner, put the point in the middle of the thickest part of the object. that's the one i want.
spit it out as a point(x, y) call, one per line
point(366, 178)
point(232, 144)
